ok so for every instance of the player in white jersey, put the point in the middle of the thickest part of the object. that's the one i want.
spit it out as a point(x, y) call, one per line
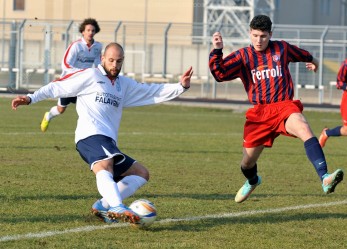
point(81, 54)
point(102, 94)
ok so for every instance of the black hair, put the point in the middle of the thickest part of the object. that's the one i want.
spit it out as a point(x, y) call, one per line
point(89, 21)
point(261, 22)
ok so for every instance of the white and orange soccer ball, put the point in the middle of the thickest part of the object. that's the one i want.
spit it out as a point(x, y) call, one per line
point(146, 210)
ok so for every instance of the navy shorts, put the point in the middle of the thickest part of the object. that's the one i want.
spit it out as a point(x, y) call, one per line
point(99, 147)
point(66, 101)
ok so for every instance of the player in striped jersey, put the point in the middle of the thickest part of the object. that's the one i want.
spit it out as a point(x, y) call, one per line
point(341, 83)
point(263, 69)
point(81, 54)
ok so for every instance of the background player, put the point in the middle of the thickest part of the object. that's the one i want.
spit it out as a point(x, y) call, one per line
point(341, 83)
point(263, 69)
point(81, 54)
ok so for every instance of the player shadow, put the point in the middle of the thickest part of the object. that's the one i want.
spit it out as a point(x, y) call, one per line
point(272, 218)
point(59, 197)
point(230, 197)
point(41, 217)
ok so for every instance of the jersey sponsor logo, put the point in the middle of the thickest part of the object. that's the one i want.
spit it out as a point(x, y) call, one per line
point(101, 82)
point(107, 98)
point(86, 59)
point(266, 73)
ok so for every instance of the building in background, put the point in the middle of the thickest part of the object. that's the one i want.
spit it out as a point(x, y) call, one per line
point(162, 37)
point(302, 12)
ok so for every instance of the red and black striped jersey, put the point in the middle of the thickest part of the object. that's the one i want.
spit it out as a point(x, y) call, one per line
point(341, 82)
point(265, 75)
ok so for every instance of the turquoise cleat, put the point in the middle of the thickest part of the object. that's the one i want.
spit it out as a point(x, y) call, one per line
point(246, 190)
point(331, 180)
point(101, 212)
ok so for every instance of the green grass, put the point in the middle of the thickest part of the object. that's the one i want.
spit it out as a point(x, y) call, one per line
point(193, 155)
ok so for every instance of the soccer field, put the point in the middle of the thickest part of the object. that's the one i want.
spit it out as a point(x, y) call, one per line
point(193, 155)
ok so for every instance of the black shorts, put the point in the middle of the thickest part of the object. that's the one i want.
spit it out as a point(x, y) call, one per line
point(66, 101)
point(99, 147)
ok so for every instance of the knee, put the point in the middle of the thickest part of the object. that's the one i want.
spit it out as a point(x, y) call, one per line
point(247, 163)
point(139, 170)
point(145, 174)
point(61, 109)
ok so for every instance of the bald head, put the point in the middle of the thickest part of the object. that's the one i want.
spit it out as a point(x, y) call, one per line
point(114, 45)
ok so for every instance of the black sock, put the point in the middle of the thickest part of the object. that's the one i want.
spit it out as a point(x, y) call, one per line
point(315, 154)
point(251, 174)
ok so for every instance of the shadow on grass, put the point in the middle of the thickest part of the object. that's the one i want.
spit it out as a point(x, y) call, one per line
point(253, 198)
point(208, 223)
point(42, 218)
point(4, 198)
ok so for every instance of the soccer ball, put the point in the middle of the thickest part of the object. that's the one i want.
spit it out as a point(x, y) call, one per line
point(146, 210)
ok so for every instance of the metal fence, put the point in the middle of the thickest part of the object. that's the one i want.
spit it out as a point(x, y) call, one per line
point(31, 53)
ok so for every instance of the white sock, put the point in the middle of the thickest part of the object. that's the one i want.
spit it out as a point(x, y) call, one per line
point(127, 187)
point(108, 188)
point(53, 112)
point(129, 184)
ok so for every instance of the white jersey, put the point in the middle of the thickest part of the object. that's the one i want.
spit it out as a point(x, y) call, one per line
point(79, 56)
point(100, 101)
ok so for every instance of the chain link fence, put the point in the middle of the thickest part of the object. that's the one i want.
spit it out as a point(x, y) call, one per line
point(32, 50)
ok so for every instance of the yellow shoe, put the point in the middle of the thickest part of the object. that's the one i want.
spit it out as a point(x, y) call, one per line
point(44, 122)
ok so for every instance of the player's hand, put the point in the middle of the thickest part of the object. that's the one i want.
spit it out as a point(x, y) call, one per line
point(20, 100)
point(217, 40)
point(185, 78)
point(311, 67)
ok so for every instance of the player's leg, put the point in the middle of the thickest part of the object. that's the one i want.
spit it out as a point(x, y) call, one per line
point(297, 125)
point(338, 130)
point(249, 170)
point(101, 153)
point(55, 111)
point(134, 177)
point(108, 189)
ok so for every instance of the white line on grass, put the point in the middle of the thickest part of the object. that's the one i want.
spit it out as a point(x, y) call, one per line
point(216, 216)
point(134, 133)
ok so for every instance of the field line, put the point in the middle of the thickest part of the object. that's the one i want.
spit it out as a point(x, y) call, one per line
point(216, 216)
point(134, 133)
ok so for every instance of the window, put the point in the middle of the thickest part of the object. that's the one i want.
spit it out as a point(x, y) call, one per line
point(18, 4)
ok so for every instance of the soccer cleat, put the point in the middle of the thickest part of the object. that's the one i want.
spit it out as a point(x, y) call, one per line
point(323, 137)
point(101, 212)
point(246, 190)
point(331, 180)
point(123, 213)
point(44, 122)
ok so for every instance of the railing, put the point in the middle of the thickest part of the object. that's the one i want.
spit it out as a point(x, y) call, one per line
point(32, 50)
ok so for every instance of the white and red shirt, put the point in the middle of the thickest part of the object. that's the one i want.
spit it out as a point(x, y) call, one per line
point(100, 101)
point(81, 56)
